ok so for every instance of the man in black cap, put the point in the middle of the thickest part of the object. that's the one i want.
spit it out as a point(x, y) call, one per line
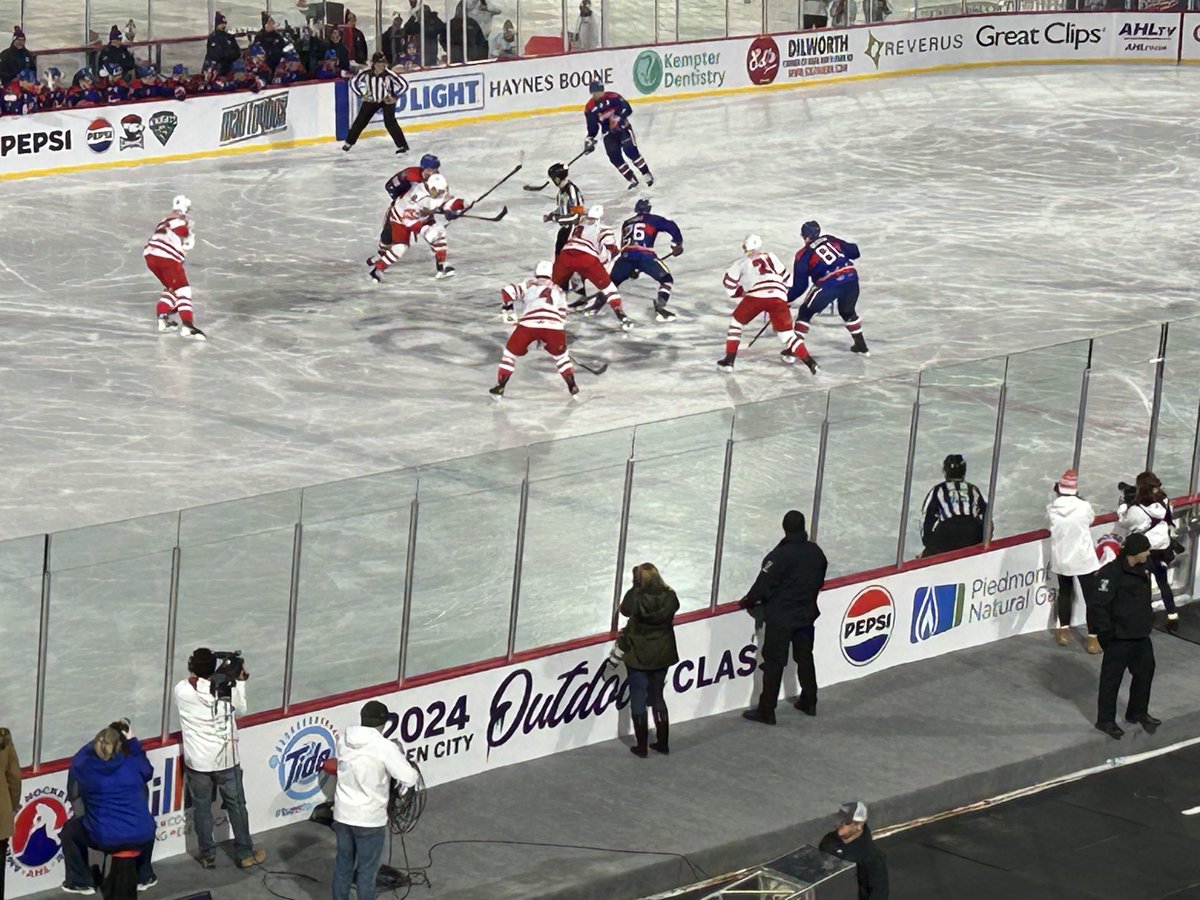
point(784, 596)
point(852, 842)
point(367, 763)
point(954, 510)
point(222, 50)
point(1123, 617)
point(16, 59)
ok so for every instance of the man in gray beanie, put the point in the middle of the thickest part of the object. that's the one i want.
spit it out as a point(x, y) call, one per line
point(1123, 618)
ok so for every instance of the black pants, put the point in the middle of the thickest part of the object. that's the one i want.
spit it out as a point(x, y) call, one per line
point(389, 120)
point(1157, 564)
point(3, 864)
point(775, 652)
point(75, 845)
point(564, 232)
point(815, 21)
point(1138, 657)
point(1066, 597)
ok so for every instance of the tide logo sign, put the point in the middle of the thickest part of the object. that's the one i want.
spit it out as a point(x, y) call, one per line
point(867, 625)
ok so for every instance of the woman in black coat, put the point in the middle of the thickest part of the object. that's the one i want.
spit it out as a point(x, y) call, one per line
point(648, 640)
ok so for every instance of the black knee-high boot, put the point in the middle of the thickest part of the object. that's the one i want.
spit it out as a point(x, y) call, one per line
point(662, 732)
point(641, 731)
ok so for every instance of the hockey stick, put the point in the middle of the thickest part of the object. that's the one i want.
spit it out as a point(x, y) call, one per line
point(811, 291)
point(496, 218)
point(546, 184)
point(596, 370)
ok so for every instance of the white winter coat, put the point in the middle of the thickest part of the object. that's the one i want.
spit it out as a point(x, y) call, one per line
point(1071, 549)
point(367, 763)
point(1150, 520)
point(209, 725)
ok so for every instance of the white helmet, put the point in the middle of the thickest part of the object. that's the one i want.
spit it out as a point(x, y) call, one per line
point(596, 213)
point(544, 269)
point(752, 243)
point(181, 203)
point(436, 184)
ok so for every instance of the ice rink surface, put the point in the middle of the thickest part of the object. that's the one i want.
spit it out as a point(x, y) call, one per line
point(996, 212)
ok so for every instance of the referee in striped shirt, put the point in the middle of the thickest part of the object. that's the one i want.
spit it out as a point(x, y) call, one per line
point(954, 511)
point(378, 87)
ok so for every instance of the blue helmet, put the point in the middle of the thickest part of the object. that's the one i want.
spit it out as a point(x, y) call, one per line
point(429, 161)
point(146, 72)
point(86, 73)
point(642, 206)
point(331, 54)
point(54, 72)
point(810, 231)
point(238, 66)
point(112, 70)
point(179, 69)
point(26, 75)
point(596, 87)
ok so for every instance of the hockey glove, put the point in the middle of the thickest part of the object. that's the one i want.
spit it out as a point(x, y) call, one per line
point(508, 316)
point(589, 145)
point(677, 249)
point(635, 273)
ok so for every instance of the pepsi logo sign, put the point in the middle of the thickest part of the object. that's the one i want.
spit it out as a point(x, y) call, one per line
point(100, 135)
point(867, 625)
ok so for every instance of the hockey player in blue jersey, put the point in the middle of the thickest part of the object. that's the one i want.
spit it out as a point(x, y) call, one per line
point(826, 260)
point(608, 112)
point(637, 254)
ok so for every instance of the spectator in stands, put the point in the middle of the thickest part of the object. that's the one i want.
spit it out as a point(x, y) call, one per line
point(222, 50)
point(1148, 512)
point(290, 69)
point(16, 58)
point(1124, 617)
point(271, 41)
point(338, 47)
point(843, 12)
point(21, 97)
point(477, 47)
point(428, 28)
point(504, 43)
point(954, 511)
point(110, 776)
point(329, 68)
point(784, 596)
point(393, 42)
point(483, 12)
point(586, 35)
point(367, 764)
point(115, 55)
point(84, 93)
point(852, 842)
point(314, 51)
point(816, 13)
point(52, 95)
point(10, 796)
point(648, 642)
point(1072, 554)
point(879, 10)
point(355, 40)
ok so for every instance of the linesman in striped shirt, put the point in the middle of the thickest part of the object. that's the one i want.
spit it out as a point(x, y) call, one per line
point(954, 511)
point(378, 87)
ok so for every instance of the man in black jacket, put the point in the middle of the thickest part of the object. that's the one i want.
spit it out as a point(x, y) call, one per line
point(1123, 617)
point(223, 50)
point(428, 28)
point(784, 596)
point(852, 842)
point(115, 55)
point(271, 41)
point(15, 59)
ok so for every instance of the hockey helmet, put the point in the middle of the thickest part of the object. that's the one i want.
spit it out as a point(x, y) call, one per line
point(544, 269)
point(595, 213)
point(436, 185)
point(752, 243)
point(429, 161)
point(181, 203)
point(642, 207)
point(112, 71)
point(27, 75)
point(557, 172)
point(179, 70)
point(810, 231)
point(331, 54)
point(596, 87)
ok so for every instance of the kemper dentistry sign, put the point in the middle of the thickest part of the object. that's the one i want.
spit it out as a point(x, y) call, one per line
point(474, 723)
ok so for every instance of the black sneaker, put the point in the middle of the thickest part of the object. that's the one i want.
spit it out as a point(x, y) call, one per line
point(757, 715)
point(1112, 729)
point(207, 862)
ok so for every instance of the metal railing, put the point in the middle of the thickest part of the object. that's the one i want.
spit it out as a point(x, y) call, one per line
point(394, 576)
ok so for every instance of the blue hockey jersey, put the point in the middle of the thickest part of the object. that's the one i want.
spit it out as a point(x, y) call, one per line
point(638, 233)
point(827, 260)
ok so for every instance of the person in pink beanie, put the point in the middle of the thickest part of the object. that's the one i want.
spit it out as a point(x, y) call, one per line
point(1072, 554)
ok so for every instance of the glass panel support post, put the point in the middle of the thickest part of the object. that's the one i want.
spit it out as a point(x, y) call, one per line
point(819, 485)
point(905, 499)
point(289, 660)
point(169, 658)
point(989, 519)
point(410, 557)
point(1080, 422)
point(720, 545)
point(626, 498)
point(514, 606)
point(1156, 404)
point(39, 702)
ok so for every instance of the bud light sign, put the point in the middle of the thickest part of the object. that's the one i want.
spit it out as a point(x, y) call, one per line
point(299, 754)
point(867, 625)
point(437, 96)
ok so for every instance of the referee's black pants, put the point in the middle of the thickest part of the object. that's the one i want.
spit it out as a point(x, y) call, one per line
point(1138, 657)
point(389, 120)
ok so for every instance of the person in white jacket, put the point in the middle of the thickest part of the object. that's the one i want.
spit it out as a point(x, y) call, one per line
point(367, 764)
point(1072, 554)
point(1148, 512)
point(210, 757)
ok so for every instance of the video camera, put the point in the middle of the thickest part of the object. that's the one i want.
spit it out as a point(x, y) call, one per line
point(230, 666)
point(1128, 492)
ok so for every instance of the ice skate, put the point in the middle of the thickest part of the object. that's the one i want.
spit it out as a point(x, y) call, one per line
point(166, 323)
point(787, 357)
point(633, 185)
point(572, 387)
point(444, 271)
point(626, 322)
point(376, 275)
point(662, 314)
point(812, 364)
point(497, 391)
point(725, 363)
point(860, 345)
point(346, 148)
point(190, 330)
point(649, 181)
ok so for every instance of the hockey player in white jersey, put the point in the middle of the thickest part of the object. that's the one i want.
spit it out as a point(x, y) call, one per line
point(412, 214)
point(759, 282)
point(589, 247)
point(165, 253)
point(538, 307)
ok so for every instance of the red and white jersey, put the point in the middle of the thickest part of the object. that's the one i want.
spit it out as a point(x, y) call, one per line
point(170, 238)
point(418, 206)
point(595, 239)
point(759, 275)
point(543, 303)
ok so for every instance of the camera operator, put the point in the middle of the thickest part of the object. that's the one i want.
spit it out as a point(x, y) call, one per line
point(367, 763)
point(208, 702)
point(109, 775)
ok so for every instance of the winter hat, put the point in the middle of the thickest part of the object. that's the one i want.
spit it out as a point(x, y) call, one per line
point(373, 714)
point(1068, 485)
point(853, 811)
point(17, 32)
point(1135, 544)
point(793, 522)
point(203, 663)
point(114, 34)
point(219, 19)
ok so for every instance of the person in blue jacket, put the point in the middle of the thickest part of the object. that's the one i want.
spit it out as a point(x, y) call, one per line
point(110, 776)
